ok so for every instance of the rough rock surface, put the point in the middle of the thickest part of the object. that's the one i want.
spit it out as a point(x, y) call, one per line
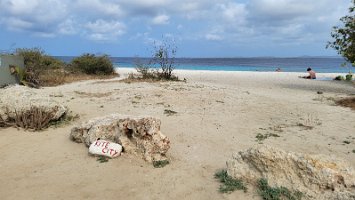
point(15, 100)
point(316, 176)
point(139, 136)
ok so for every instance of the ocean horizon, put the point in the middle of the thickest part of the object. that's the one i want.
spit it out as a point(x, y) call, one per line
point(263, 64)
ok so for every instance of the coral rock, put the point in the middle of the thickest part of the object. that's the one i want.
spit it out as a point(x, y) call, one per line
point(138, 136)
point(316, 176)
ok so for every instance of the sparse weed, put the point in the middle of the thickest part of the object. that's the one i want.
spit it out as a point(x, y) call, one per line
point(276, 193)
point(261, 137)
point(346, 142)
point(160, 163)
point(306, 127)
point(102, 159)
point(169, 112)
point(309, 122)
point(277, 128)
point(229, 184)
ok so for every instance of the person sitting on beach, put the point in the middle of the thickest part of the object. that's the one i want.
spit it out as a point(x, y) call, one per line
point(312, 74)
point(278, 69)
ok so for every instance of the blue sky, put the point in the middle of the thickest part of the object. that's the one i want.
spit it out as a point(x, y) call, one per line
point(200, 28)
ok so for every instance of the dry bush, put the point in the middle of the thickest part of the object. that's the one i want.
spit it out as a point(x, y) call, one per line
point(35, 118)
point(151, 78)
point(347, 102)
point(52, 77)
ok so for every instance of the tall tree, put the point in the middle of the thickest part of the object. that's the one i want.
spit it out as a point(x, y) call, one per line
point(344, 36)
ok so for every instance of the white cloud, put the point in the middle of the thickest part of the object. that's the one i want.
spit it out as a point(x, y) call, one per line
point(228, 20)
point(234, 12)
point(17, 24)
point(299, 21)
point(281, 12)
point(44, 34)
point(99, 8)
point(161, 19)
point(213, 37)
point(39, 17)
point(68, 27)
point(280, 9)
point(101, 30)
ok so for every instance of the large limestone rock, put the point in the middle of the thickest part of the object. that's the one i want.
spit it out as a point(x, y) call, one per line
point(139, 136)
point(317, 176)
point(28, 107)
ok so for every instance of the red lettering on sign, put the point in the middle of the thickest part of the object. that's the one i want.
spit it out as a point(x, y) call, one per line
point(104, 149)
point(116, 152)
point(104, 146)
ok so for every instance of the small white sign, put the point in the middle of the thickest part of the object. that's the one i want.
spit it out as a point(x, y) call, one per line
point(105, 148)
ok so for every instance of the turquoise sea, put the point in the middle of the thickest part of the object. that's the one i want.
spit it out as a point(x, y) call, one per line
point(264, 64)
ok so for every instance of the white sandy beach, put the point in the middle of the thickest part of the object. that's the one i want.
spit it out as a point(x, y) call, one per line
point(218, 113)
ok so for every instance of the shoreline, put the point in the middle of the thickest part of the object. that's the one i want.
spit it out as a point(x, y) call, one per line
point(221, 70)
point(178, 72)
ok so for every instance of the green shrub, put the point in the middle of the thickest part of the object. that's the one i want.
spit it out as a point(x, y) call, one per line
point(36, 59)
point(339, 78)
point(37, 63)
point(91, 64)
point(349, 77)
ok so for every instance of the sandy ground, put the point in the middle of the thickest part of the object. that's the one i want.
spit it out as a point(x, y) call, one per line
point(218, 114)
